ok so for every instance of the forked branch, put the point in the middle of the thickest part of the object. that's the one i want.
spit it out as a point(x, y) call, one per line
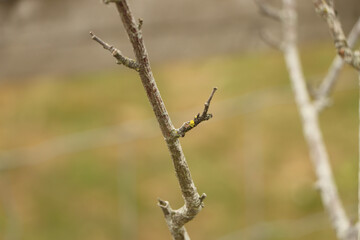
point(175, 219)
point(328, 12)
point(327, 85)
point(121, 59)
point(311, 129)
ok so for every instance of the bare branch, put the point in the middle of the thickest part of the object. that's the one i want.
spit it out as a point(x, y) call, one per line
point(175, 219)
point(270, 40)
point(270, 11)
point(327, 12)
point(329, 81)
point(311, 129)
point(187, 126)
point(121, 59)
point(312, 132)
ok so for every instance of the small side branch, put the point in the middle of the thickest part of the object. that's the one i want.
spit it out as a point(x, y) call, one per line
point(270, 11)
point(329, 81)
point(121, 59)
point(270, 40)
point(187, 126)
point(327, 12)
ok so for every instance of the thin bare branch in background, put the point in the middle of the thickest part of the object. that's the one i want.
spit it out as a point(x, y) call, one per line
point(270, 40)
point(311, 129)
point(270, 11)
point(337, 64)
point(327, 12)
point(344, 49)
point(175, 219)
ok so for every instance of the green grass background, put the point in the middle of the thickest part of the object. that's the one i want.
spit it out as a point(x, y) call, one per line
point(251, 159)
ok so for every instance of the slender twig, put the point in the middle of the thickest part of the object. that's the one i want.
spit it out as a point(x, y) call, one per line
point(187, 126)
point(270, 11)
point(311, 129)
point(337, 64)
point(175, 219)
point(270, 40)
point(121, 59)
point(327, 12)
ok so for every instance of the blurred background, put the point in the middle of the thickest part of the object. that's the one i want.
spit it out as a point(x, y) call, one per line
point(82, 157)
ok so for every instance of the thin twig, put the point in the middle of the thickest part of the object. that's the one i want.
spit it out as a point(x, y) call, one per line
point(121, 59)
point(187, 126)
point(329, 81)
point(270, 11)
point(270, 40)
point(327, 12)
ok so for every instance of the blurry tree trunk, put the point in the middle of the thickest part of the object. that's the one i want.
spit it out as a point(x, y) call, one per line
point(309, 111)
point(327, 11)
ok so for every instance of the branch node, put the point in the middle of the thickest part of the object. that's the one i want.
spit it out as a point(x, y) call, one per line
point(165, 206)
point(140, 23)
point(187, 126)
point(202, 198)
point(120, 59)
point(322, 103)
point(327, 11)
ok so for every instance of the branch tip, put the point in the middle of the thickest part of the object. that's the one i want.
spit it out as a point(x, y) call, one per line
point(141, 21)
point(120, 59)
point(187, 126)
point(327, 12)
point(202, 197)
point(163, 204)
